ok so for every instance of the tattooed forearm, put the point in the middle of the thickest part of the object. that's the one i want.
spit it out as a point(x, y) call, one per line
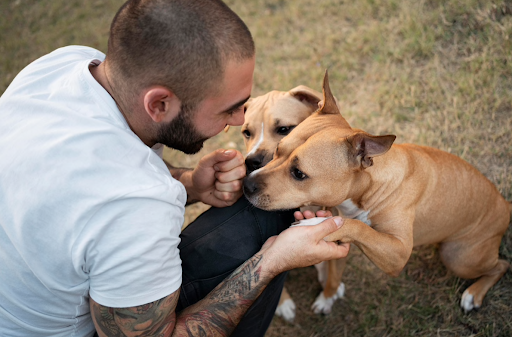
point(216, 315)
point(220, 312)
point(152, 319)
point(241, 282)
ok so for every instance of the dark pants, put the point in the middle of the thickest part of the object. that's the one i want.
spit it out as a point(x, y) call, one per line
point(217, 243)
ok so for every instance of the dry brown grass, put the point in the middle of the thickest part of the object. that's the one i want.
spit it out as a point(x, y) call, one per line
point(432, 72)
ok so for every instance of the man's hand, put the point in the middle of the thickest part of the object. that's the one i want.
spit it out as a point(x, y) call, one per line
point(217, 179)
point(305, 246)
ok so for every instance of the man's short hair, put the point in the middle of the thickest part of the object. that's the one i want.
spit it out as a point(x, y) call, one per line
point(180, 44)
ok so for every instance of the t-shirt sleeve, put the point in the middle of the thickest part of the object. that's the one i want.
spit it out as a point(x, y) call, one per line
point(130, 248)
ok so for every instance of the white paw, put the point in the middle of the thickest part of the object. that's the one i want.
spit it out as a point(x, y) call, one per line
point(466, 302)
point(324, 305)
point(286, 310)
point(341, 290)
point(309, 222)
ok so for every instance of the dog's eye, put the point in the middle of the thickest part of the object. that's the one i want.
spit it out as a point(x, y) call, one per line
point(298, 174)
point(246, 133)
point(284, 130)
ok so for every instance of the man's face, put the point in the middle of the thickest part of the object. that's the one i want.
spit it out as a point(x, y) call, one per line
point(181, 134)
point(190, 129)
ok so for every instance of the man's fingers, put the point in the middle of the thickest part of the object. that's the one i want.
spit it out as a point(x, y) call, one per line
point(231, 186)
point(339, 250)
point(328, 226)
point(298, 215)
point(234, 174)
point(218, 156)
point(226, 198)
point(323, 213)
point(227, 160)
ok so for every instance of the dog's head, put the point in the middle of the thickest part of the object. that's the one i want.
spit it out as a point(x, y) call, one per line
point(270, 117)
point(317, 163)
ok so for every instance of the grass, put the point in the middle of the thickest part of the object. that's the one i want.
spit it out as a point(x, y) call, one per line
point(432, 72)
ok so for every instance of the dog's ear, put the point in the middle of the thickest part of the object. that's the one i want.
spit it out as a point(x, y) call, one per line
point(307, 96)
point(246, 104)
point(329, 106)
point(363, 147)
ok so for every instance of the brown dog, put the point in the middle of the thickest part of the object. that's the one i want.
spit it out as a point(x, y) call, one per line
point(268, 118)
point(414, 195)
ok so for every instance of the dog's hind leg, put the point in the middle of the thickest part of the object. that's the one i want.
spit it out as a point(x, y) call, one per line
point(472, 261)
point(329, 275)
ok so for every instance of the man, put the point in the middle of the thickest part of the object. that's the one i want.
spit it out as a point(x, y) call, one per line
point(90, 217)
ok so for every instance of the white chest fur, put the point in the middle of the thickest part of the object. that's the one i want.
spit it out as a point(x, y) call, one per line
point(348, 210)
point(351, 211)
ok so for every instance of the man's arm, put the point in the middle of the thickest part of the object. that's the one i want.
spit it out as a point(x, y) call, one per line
point(219, 313)
point(152, 319)
point(216, 315)
point(177, 173)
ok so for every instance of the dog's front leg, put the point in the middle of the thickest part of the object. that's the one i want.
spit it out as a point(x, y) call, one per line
point(388, 250)
point(329, 275)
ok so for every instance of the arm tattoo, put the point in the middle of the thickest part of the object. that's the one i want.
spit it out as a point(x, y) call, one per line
point(152, 319)
point(219, 313)
point(216, 315)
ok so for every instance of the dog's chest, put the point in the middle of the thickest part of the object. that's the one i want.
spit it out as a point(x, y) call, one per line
point(350, 210)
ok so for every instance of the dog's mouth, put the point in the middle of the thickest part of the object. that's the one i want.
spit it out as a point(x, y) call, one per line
point(260, 201)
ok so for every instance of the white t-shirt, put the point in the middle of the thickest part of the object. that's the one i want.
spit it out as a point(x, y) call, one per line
point(86, 209)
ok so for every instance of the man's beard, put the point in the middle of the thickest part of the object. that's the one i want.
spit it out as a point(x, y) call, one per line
point(181, 134)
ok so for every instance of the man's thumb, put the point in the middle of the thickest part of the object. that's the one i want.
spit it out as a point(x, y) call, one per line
point(218, 156)
point(329, 226)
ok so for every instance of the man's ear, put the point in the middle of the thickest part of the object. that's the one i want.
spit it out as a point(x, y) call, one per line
point(161, 104)
point(363, 147)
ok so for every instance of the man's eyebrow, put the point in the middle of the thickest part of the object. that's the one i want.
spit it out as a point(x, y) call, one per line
point(237, 105)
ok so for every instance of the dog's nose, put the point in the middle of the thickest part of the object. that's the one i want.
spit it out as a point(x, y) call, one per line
point(250, 186)
point(254, 162)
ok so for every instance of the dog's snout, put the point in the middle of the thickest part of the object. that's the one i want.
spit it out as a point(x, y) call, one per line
point(250, 186)
point(254, 162)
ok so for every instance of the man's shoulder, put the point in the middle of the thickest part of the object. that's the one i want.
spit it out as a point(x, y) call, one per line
point(71, 53)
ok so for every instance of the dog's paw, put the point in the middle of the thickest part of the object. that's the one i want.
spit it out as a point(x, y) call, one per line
point(309, 222)
point(341, 290)
point(286, 310)
point(467, 302)
point(324, 305)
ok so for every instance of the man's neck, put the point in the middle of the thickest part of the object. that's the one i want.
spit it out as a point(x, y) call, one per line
point(101, 75)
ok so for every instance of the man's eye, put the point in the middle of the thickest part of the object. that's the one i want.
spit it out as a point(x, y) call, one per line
point(298, 174)
point(284, 130)
point(234, 111)
point(246, 133)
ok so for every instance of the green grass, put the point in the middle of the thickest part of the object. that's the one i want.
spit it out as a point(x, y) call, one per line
point(433, 72)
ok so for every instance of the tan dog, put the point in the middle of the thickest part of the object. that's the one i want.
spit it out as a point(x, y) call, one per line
point(413, 195)
point(268, 118)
